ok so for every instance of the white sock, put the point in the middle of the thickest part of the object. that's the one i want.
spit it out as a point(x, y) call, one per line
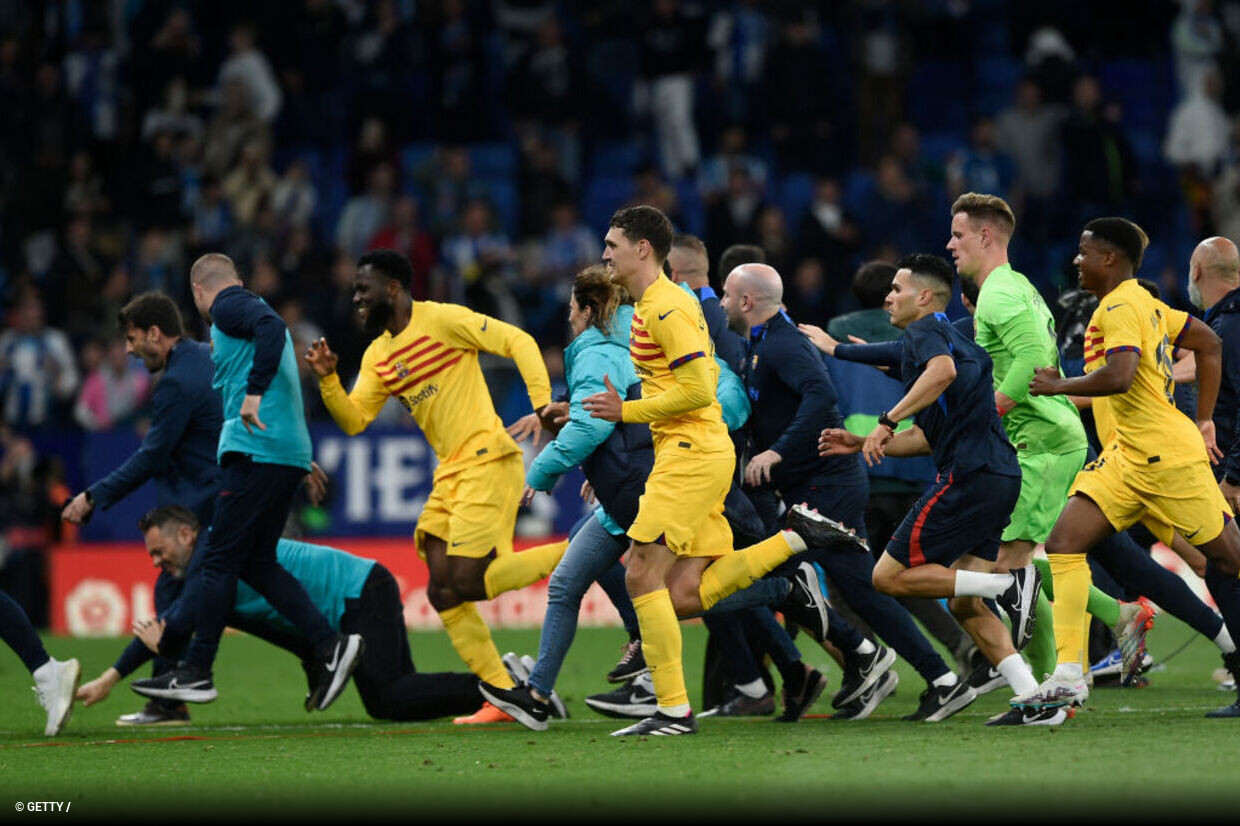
point(948, 679)
point(978, 584)
point(756, 689)
point(1018, 674)
point(1070, 671)
point(681, 710)
point(1224, 642)
point(795, 541)
point(866, 647)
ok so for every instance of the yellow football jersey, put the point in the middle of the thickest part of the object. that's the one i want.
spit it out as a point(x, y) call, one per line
point(431, 367)
point(674, 357)
point(1143, 420)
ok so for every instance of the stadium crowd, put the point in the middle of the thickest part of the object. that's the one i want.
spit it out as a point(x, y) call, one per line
point(494, 147)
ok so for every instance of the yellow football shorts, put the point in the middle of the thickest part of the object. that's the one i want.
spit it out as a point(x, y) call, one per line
point(474, 509)
point(682, 506)
point(1181, 498)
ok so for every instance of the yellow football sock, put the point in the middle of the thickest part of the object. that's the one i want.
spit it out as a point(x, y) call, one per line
point(472, 640)
point(518, 569)
point(661, 645)
point(740, 569)
point(1072, 579)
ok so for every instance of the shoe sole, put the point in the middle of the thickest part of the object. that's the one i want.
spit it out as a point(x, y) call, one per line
point(668, 730)
point(623, 712)
point(959, 703)
point(835, 531)
point(626, 676)
point(881, 692)
point(514, 711)
point(353, 649)
point(68, 710)
point(185, 695)
point(876, 673)
point(815, 691)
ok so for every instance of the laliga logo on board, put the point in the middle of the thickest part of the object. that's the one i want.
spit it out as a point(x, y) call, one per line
point(96, 608)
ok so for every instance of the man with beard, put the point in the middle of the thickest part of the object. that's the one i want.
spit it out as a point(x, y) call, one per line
point(426, 355)
point(177, 453)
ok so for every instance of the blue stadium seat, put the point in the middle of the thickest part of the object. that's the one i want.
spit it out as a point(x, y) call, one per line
point(857, 188)
point(692, 211)
point(490, 160)
point(616, 157)
point(412, 156)
point(502, 193)
point(794, 192)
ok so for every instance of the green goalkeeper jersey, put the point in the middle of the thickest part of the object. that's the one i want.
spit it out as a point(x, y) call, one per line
point(1017, 329)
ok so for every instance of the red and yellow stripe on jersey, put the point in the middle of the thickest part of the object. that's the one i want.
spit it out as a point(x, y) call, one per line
point(674, 357)
point(1143, 420)
point(431, 367)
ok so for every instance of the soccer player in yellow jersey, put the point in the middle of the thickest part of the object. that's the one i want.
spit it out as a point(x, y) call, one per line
point(1155, 465)
point(680, 561)
point(426, 355)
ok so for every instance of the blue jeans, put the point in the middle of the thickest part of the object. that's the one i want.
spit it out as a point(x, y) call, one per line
point(591, 552)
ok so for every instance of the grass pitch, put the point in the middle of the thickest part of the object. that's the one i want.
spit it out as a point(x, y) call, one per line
point(255, 754)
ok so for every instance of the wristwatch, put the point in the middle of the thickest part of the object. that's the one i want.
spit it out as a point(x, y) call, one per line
point(887, 422)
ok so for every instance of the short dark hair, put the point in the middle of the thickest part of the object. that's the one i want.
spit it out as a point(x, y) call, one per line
point(647, 223)
point(1123, 235)
point(933, 268)
point(969, 289)
point(161, 517)
point(151, 309)
point(389, 263)
point(872, 282)
point(738, 254)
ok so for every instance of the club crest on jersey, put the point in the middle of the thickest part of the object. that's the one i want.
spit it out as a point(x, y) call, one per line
point(402, 370)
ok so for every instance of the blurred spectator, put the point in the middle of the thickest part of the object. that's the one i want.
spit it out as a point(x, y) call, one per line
point(479, 263)
point(1029, 131)
point(905, 146)
point(174, 115)
point(38, 371)
point(404, 233)
point(650, 187)
point(294, 197)
point(733, 218)
point(79, 270)
point(801, 125)
point(891, 215)
point(1099, 166)
point(738, 36)
point(157, 265)
point(29, 520)
point(672, 54)
point(92, 80)
point(84, 192)
point(310, 74)
point(381, 61)
point(444, 178)
point(373, 147)
point(542, 185)
point(156, 199)
point(1196, 43)
point(981, 166)
point(1051, 62)
point(115, 387)
point(211, 218)
point(1198, 137)
point(367, 212)
point(713, 177)
point(173, 51)
point(458, 72)
point(880, 47)
point(809, 296)
point(1225, 190)
point(545, 88)
point(250, 184)
point(774, 238)
point(303, 332)
point(568, 246)
point(233, 125)
point(827, 232)
point(245, 63)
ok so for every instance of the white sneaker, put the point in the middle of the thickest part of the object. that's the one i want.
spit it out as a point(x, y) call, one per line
point(1057, 690)
point(56, 684)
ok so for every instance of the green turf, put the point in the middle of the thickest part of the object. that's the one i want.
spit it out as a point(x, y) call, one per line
point(256, 753)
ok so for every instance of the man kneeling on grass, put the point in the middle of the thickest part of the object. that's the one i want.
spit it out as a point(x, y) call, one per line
point(358, 596)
